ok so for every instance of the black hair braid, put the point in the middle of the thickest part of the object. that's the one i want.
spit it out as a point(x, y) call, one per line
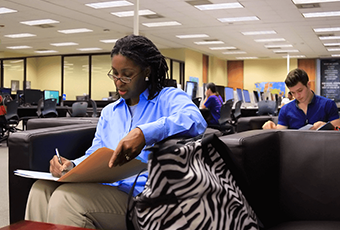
point(145, 54)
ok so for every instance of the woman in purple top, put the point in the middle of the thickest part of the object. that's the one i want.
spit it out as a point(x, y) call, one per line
point(213, 102)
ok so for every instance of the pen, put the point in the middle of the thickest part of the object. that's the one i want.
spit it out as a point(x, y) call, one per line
point(57, 152)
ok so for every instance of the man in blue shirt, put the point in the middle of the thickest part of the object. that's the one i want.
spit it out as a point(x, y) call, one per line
point(145, 114)
point(307, 108)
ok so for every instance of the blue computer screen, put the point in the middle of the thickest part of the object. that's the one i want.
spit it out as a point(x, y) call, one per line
point(51, 94)
point(229, 93)
point(191, 88)
point(239, 94)
point(246, 96)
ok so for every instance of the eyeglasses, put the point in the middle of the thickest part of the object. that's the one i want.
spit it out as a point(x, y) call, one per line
point(122, 79)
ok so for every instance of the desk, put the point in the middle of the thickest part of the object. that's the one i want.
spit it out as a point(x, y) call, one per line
point(31, 111)
point(38, 226)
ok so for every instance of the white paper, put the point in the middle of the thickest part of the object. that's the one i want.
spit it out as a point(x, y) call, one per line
point(35, 174)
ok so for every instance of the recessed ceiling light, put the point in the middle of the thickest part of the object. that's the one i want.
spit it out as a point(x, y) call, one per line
point(23, 35)
point(278, 46)
point(259, 32)
point(4, 10)
point(39, 22)
point(332, 44)
point(329, 37)
point(285, 51)
point(209, 43)
point(223, 48)
point(321, 14)
point(294, 56)
point(327, 29)
point(73, 31)
point(109, 40)
point(313, 1)
point(110, 4)
point(231, 5)
point(246, 57)
point(18, 47)
point(333, 49)
point(64, 44)
point(158, 24)
point(235, 52)
point(239, 19)
point(89, 49)
point(192, 36)
point(132, 13)
point(270, 40)
point(45, 51)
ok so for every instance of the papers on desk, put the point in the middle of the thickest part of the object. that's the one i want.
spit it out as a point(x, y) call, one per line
point(93, 169)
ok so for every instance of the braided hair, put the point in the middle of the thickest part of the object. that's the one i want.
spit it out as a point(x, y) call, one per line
point(145, 54)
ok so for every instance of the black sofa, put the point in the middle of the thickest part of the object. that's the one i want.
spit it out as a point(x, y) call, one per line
point(253, 122)
point(32, 149)
point(291, 178)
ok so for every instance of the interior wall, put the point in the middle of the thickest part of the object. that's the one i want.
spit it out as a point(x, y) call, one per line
point(193, 65)
point(48, 73)
point(217, 71)
point(177, 54)
point(32, 74)
point(273, 70)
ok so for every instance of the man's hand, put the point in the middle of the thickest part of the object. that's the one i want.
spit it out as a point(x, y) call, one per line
point(58, 169)
point(269, 125)
point(317, 125)
point(128, 148)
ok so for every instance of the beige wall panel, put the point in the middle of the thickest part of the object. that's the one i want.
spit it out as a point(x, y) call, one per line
point(48, 73)
point(32, 74)
point(193, 65)
point(177, 54)
point(217, 71)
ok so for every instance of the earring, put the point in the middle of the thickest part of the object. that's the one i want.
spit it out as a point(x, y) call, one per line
point(147, 79)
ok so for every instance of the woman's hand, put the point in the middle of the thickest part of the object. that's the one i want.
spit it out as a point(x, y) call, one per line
point(128, 148)
point(58, 169)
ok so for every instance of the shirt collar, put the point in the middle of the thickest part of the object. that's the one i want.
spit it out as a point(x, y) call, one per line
point(144, 96)
point(312, 101)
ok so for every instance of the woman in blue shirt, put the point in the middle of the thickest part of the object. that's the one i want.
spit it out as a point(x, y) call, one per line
point(146, 113)
point(213, 102)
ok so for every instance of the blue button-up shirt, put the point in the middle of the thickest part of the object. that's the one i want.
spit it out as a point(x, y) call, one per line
point(171, 112)
point(319, 109)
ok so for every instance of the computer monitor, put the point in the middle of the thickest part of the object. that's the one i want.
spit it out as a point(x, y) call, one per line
point(5, 91)
point(32, 96)
point(246, 96)
point(228, 93)
point(191, 89)
point(256, 96)
point(220, 89)
point(51, 94)
point(239, 94)
point(83, 98)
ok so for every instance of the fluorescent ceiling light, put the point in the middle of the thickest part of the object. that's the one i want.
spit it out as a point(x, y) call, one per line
point(294, 56)
point(285, 51)
point(231, 5)
point(73, 31)
point(45, 51)
point(223, 48)
point(235, 52)
point(4, 10)
point(246, 57)
point(89, 49)
point(259, 32)
point(18, 47)
point(278, 46)
point(132, 13)
point(335, 55)
point(332, 44)
point(334, 49)
point(109, 40)
point(321, 14)
point(313, 1)
point(110, 4)
point(239, 19)
point(64, 44)
point(158, 24)
point(192, 36)
point(39, 22)
point(209, 43)
point(270, 40)
point(23, 35)
point(329, 37)
point(327, 29)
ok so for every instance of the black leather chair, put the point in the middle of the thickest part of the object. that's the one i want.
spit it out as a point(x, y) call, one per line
point(225, 121)
point(10, 120)
point(237, 112)
point(197, 101)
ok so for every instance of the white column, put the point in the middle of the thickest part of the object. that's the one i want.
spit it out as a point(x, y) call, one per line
point(136, 18)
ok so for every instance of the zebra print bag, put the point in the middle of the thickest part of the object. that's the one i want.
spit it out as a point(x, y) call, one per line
point(191, 187)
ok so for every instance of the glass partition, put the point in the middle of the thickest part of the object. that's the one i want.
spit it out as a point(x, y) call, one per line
point(101, 84)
